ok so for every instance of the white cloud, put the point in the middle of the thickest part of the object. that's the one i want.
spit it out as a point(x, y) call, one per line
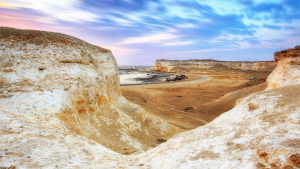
point(267, 1)
point(229, 37)
point(104, 28)
point(179, 43)
point(203, 50)
point(182, 12)
point(158, 37)
point(66, 10)
point(186, 25)
point(168, 38)
point(121, 51)
point(120, 21)
point(135, 16)
point(222, 7)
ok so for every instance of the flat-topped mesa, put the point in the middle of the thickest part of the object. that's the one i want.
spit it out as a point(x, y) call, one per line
point(210, 66)
point(287, 71)
point(56, 80)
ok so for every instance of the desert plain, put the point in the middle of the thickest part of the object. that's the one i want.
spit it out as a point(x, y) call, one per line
point(189, 104)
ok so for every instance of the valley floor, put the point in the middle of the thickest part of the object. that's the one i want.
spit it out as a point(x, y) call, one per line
point(189, 105)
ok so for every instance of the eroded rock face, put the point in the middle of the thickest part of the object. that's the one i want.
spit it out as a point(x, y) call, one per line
point(210, 66)
point(287, 70)
point(55, 88)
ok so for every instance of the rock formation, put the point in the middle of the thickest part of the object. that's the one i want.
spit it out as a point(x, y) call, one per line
point(54, 87)
point(287, 70)
point(209, 66)
point(58, 93)
point(262, 131)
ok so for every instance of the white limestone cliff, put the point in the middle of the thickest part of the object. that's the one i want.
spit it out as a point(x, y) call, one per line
point(47, 117)
point(55, 88)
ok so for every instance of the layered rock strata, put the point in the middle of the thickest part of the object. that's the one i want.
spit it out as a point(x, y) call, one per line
point(209, 66)
point(55, 88)
point(262, 131)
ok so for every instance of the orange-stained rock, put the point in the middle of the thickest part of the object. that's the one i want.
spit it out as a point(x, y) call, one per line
point(287, 70)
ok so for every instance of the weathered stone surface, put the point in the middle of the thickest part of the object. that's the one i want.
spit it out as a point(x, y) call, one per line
point(263, 128)
point(209, 66)
point(287, 70)
point(55, 88)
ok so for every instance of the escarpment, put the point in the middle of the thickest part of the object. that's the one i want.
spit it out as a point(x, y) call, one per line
point(210, 66)
point(55, 81)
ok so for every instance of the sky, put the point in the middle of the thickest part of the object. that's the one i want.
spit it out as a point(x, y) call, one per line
point(138, 32)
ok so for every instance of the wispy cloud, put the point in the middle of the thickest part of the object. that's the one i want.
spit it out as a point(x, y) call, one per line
point(66, 10)
point(120, 51)
point(157, 37)
point(104, 28)
point(179, 43)
point(204, 50)
point(121, 21)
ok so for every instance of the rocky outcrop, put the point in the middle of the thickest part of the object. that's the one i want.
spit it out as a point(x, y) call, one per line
point(48, 115)
point(287, 70)
point(55, 88)
point(209, 66)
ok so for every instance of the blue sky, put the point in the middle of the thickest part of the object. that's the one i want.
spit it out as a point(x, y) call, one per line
point(138, 32)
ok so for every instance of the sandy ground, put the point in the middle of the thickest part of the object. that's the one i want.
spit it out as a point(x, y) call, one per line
point(198, 100)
